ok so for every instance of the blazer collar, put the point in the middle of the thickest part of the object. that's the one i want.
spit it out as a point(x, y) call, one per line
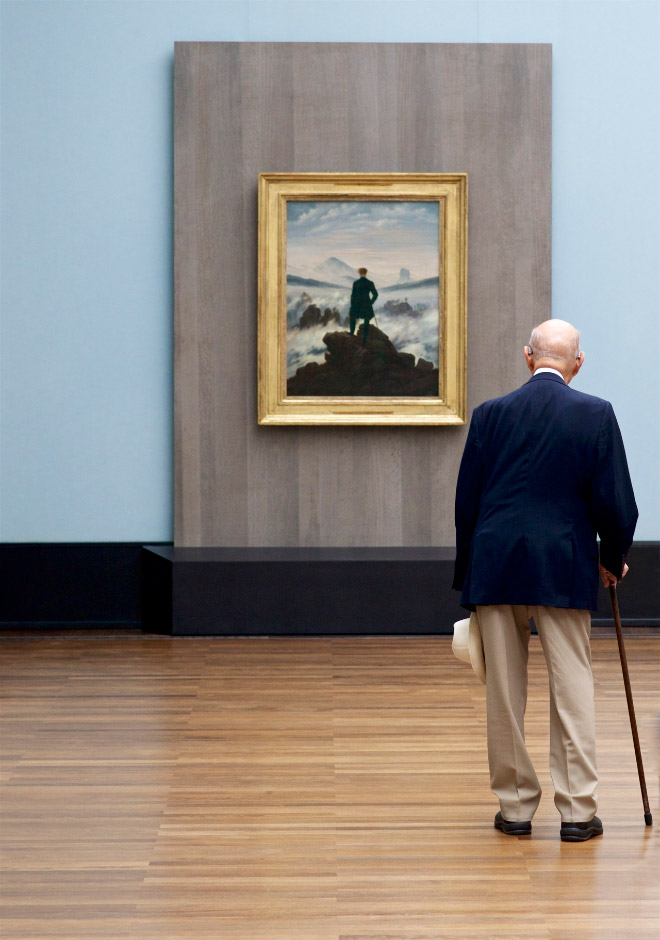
point(547, 377)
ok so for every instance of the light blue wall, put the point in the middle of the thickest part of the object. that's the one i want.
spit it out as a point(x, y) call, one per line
point(86, 415)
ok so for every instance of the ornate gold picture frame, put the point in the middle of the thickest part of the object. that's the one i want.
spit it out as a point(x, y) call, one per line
point(362, 298)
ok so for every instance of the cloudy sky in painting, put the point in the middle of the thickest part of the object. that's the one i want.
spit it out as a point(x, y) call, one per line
point(381, 236)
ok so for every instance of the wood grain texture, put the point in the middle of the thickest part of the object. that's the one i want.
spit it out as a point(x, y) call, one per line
point(246, 108)
point(316, 788)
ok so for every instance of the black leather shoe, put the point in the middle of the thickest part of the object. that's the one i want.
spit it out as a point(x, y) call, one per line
point(581, 831)
point(512, 828)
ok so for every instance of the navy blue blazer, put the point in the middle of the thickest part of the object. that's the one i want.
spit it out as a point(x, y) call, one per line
point(543, 473)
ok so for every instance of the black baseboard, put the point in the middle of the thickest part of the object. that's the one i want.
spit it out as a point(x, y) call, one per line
point(298, 591)
point(55, 585)
point(340, 591)
point(160, 589)
point(638, 593)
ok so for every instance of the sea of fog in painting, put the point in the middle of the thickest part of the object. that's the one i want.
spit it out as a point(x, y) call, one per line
point(328, 241)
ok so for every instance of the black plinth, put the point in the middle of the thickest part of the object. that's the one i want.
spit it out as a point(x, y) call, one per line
point(298, 591)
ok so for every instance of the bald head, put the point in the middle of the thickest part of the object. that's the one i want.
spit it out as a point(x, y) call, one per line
point(555, 343)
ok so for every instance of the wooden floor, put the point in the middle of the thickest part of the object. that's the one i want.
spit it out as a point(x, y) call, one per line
point(301, 788)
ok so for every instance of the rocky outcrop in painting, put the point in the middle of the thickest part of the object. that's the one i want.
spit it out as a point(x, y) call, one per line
point(313, 317)
point(377, 368)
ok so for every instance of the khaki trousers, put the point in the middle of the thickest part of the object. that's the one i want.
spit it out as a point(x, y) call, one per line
point(564, 635)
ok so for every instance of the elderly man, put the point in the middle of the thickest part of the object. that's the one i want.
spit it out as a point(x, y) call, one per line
point(543, 473)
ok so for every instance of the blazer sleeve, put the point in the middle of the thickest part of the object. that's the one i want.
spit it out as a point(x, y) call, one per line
point(613, 506)
point(468, 495)
point(373, 291)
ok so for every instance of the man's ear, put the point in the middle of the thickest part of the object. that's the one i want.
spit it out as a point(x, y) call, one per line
point(529, 357)
point(578, 364)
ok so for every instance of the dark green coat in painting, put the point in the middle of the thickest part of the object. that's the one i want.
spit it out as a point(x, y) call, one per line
point(363, 296)
point(361, 299)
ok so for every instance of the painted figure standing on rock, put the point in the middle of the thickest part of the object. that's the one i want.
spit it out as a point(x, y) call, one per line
point(363, 296)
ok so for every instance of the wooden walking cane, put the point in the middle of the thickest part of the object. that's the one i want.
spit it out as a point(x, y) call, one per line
point(648, 819)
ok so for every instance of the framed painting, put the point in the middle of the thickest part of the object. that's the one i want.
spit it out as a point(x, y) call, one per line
point(362, 298)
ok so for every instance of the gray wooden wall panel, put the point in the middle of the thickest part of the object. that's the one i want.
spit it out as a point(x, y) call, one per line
point(271, 483)
point(244, 108)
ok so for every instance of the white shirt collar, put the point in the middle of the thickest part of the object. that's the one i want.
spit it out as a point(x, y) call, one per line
point(548, 369)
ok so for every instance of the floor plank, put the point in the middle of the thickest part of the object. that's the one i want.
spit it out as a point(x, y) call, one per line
point(315, 788)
